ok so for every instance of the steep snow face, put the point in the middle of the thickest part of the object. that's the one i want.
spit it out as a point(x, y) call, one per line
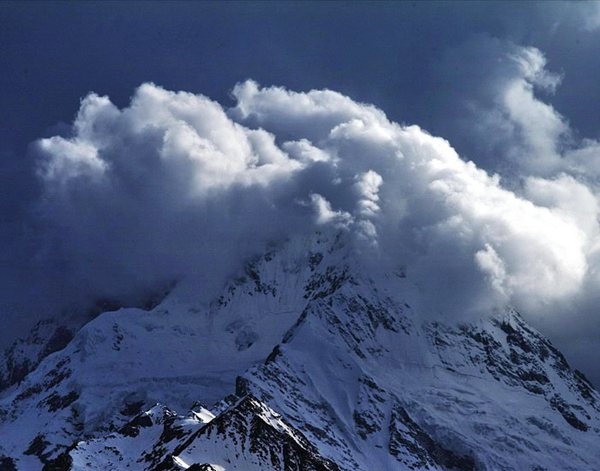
point(389, 392)
point(334, 366)
point(250, 436)
point(141, 443)
point(187, 348)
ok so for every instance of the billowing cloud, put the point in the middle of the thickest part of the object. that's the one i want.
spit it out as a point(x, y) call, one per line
point(174, 185)
point(502, 97)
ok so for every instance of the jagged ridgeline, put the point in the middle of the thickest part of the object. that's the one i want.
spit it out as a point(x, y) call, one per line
point(306, 361)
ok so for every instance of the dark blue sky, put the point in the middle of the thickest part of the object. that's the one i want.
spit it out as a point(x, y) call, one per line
point(427, 63)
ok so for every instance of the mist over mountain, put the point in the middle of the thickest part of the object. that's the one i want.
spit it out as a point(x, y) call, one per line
point(139, 197)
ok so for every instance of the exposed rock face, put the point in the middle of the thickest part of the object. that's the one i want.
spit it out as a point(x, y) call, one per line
point(24, 355)
point(252, 433)
point(306, 362)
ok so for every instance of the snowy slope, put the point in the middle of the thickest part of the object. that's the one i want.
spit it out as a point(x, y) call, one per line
point(53, 334)
point(489, 395)
point(334, 366)
point(187, 348)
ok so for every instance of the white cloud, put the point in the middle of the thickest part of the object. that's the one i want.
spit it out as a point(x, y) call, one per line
point(326, 215)
point(491, 264)
point(173, 184)
point(532, 65)
point(71, 160)
point(538, 130)
point(305, 152)
point(590, 12)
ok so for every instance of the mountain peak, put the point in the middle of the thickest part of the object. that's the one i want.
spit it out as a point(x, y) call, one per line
point(306, 360)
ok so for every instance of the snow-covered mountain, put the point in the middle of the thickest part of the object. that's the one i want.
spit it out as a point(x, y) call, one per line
point(307, 360)
point(53, 334)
